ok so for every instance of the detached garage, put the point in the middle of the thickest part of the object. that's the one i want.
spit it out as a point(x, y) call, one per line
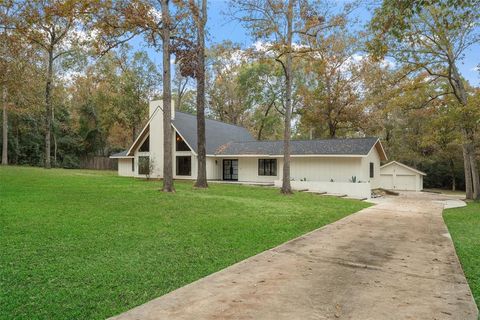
point(398, 176)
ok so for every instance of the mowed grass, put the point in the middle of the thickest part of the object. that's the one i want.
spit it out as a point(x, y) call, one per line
point(79, 244)
point(464, 226)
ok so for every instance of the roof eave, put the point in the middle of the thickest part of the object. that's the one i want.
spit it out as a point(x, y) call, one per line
point(187, 143)
point(292, 155)
point(141, 135)
point(381, 152)
point(405, 166)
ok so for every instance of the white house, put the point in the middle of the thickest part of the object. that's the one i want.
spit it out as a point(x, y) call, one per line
point(330, 165)
point(398, 176)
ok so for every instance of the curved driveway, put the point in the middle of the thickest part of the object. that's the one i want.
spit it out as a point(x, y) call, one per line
point(394, 260)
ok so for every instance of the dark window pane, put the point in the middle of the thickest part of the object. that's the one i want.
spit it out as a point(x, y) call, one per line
point(180, 143)
point(143, 165)
point(133, 164)
point(372, 172)
point(145, 146)
point(230, 169)
point(267, 167)
point(184, 166)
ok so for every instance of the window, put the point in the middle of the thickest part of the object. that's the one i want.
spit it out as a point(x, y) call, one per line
point(180, 144)
point(143, 165)
point(145, 146)
point(372, 171)
point(184, 166)
point(133, 164)
point(267, 167)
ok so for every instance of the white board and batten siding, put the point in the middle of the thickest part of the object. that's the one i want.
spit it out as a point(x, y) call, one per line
point(356, 190)
point(125, 167)
point(313, 168)
point(335, 174)
point(338, 169)
point(398, 176)
point(374, 158)
point(248, 170)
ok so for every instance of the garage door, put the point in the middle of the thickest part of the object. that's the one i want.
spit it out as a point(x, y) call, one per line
point(397, 176)
point(405, 182)
point(386, 181)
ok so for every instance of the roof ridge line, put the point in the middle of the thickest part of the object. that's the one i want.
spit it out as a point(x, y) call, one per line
point(291, 140)
point(206, 118)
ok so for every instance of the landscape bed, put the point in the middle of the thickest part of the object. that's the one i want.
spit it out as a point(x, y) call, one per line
point(80, 244)
point(464, 226)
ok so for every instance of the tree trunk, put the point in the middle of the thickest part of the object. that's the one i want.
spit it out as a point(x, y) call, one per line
point(4, 127)
point(179, 100)
point(16, 140)
point(262, 124)
point(452, 173)
point(286, 187)
point(332, 130)
point(468, 172)
point(55, 149)
point(48, 109)
point(180, 91)
point(472, 184)
point(4, 107)
point(474, 169)
point(202, 166)
point(167, 102)
point(474, 172)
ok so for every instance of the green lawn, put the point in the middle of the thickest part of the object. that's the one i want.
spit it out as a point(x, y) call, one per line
point(464, 226)
point(79, 244)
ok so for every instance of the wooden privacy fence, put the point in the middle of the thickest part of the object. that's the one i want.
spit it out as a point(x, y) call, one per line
point(98, 163)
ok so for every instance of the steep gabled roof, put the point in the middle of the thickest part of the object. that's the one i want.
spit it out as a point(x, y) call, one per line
point(143, 133)
point(325, 147)
point(216, 133)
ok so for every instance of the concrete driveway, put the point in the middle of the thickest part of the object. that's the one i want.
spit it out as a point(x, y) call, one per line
point(394, 260)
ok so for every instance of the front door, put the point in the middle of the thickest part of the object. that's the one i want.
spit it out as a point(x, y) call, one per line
point(230, 169)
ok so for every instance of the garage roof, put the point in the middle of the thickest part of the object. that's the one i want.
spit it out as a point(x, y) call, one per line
point(120, 155)
point(404, 166)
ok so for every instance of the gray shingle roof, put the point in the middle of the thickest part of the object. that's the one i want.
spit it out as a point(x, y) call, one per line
point(119, 154)
point(348, 146)
point(216, 133)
